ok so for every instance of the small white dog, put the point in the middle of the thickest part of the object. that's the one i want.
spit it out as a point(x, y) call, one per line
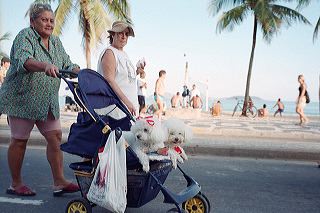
point(148, 135)
point(178, 133)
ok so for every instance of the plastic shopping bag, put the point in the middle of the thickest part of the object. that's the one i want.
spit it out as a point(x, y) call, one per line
point(109, 185)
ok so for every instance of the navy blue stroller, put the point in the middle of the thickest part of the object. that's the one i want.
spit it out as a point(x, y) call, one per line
point(102, 113)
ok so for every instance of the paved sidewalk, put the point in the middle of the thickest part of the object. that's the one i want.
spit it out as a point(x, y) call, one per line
point(229, 136)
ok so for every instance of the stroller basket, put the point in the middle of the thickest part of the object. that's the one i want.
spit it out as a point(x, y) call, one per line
point(142, 188)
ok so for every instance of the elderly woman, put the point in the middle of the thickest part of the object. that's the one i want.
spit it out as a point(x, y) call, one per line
point(29, 96)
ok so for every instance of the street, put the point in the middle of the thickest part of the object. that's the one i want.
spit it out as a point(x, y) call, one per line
point(231, 184)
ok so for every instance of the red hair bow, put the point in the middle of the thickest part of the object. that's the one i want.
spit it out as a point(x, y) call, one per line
point(149, 120)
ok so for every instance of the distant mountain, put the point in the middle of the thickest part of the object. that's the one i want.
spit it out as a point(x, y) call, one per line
point(254, 98)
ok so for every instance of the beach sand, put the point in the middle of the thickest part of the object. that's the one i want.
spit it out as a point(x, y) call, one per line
point(225, 135)
point(205, 125)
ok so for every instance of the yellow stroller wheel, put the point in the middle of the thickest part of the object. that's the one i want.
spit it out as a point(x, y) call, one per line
point(80, 205)
point(197, 204)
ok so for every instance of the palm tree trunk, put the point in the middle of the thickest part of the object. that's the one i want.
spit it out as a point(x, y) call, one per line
point(86, 33)
point(88, 52)
point(246, 96)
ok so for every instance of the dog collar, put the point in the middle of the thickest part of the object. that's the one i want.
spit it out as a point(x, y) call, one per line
point(178, 149)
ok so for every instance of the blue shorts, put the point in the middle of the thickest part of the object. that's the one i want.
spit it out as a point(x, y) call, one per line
point(159, 96)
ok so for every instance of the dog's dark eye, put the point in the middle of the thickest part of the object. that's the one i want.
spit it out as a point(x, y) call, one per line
point(180, 133)
point(145, 130)
point(171, 133)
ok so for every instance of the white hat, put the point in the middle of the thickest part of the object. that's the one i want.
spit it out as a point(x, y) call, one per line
point(120, 26)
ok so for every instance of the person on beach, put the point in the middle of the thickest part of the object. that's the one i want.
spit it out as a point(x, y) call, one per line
point(301, 100)
point(176, 101)
point(5, 64)
point(194, 91)
point(29, 96)
point(280, 108)
point(186, 96)
point(263, 112)
point(216, 109)
point(159, 93)
point(142, 92)
point(196, 102)
point(250, 105)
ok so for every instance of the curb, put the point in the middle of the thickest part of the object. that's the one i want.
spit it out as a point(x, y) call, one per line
point(203, 132)
point(214, 150)
point(254, 153)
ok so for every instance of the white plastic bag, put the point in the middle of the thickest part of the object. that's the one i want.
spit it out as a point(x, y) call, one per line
point(109, 185)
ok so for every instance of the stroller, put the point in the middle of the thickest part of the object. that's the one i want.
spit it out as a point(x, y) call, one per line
point(102, 113)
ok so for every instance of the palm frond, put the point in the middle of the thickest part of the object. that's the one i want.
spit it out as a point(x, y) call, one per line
point(99, 22)
point(270, 28)
point(215, 6)
point(268, 22)
point(84, 23)
point(316, 30)
point(6, 36)
point(302, 4)
point(120, 9)
point(231, 18)
point(289, 16)
point(3, 54)
point(62, 14)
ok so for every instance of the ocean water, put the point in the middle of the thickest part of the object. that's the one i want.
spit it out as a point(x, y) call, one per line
point(289, 106)
point(228, 105)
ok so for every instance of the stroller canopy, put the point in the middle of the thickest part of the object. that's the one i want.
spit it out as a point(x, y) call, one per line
point(101, 105)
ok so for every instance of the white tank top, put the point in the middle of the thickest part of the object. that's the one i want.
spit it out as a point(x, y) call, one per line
point(126, 77)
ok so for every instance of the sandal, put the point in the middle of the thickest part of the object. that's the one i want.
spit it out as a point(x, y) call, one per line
point(21, 191)
point(70, 188)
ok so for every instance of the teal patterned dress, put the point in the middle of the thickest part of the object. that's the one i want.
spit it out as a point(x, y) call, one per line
point(31, 95)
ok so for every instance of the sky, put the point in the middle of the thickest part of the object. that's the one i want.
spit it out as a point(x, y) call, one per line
point(170, 33)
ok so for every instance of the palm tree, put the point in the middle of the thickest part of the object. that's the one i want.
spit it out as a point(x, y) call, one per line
point(303, 3)
point(94, 19)
point(267, 15)
point(6, 36)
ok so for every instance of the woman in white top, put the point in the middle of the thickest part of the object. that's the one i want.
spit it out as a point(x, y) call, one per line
point(116, 67)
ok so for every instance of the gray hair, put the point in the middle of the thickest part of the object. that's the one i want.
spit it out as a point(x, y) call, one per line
point(37, 8)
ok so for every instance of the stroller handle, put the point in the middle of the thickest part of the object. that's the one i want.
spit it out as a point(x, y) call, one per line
point(67, 74)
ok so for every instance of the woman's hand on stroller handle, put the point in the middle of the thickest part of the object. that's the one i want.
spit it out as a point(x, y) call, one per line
point(67, 74)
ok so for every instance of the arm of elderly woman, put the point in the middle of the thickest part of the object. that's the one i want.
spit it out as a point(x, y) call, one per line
point(51, 70)
point(33, 65)
point(108, 63)
point(25, 51)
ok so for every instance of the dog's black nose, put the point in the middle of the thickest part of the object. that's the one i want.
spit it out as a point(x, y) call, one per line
point(176, 139)
point(138, 136)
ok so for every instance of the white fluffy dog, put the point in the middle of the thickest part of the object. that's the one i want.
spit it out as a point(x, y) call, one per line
point(178, 133)
point(148, 135)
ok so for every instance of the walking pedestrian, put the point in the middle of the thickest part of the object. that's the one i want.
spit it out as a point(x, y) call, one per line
point(29, 96)
point(302, 100)
point(159, 93)
point(142, 92)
